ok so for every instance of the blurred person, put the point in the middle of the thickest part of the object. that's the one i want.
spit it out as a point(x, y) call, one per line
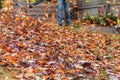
point(63, 5)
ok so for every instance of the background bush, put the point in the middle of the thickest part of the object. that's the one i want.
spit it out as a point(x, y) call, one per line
point(108, 20)
point(0, 4)
point(91, 19)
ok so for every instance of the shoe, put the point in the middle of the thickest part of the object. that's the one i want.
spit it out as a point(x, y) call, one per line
point(60, 25)
point(30, 6)
point(67, 25)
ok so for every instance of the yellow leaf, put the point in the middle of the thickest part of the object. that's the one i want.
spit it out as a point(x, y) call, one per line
point(31, 1)
point(118, 21)
point(44, 77)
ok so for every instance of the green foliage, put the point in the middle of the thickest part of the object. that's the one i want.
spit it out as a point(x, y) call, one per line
point(91, 19)
point(87, 17)
point(108, 20)
point(96, 20)
point(102, 74)
point(0, 4)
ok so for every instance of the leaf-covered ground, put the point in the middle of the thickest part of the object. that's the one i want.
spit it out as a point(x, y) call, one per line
point(44, 51)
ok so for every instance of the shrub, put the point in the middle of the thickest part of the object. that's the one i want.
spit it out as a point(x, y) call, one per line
point(96, 20)
point(0, 4)
point(87, 19)
point(91, 19)
point(108, 20)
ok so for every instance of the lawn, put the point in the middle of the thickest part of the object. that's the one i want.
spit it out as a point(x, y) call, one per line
point(6, 74)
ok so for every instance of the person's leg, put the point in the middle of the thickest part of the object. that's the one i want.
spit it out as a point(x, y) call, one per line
point(67, 12)
point(60, 9)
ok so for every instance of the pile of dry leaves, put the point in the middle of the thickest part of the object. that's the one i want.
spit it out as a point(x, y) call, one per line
point(47, 52)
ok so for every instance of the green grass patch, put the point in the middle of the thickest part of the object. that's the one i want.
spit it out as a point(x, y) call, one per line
point(6, 74)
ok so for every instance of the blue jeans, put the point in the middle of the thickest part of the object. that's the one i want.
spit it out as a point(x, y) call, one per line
point(66, 6)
